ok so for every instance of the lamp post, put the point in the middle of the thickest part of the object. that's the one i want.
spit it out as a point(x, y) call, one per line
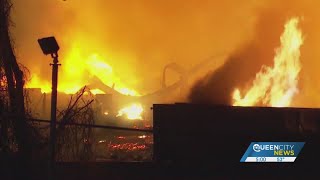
point(50, 46)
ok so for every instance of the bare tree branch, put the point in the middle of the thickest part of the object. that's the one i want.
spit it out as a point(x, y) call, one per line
point(74, 142)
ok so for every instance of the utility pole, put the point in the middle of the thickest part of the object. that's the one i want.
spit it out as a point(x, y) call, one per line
point(50, 46)
point(53, 123)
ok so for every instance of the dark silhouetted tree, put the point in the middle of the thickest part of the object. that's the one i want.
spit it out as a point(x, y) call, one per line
point(15, 82)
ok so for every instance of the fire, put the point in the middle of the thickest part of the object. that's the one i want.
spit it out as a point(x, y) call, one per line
point(96, 91)
point(78, 68)
point(276, 86)
point(35, 82)
point(133, 111)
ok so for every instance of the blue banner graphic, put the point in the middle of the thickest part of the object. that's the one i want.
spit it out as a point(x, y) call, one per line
point(272, 152)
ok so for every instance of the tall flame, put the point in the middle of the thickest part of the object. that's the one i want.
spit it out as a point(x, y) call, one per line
point(276, 86)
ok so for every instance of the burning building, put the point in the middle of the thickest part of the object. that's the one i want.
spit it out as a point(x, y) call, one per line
point(132, 55)
point(272, 82)
point(126, 56)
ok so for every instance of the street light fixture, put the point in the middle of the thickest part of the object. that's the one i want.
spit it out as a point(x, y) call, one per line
point(50, 46)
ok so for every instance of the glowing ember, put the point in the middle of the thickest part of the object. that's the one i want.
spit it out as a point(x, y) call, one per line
point(133, 111)
point(128, 147)
point(102, 141)
point(275, 86)
point(142, 137)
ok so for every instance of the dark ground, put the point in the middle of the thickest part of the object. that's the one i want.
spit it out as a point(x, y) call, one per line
point(150, 170)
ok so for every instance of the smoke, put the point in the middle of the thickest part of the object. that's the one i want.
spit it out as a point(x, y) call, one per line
point(242, 65)
point(217, 86)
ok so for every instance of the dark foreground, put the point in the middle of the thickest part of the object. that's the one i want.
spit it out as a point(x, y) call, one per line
point(207, 142)
point(150, 170)
point(154, 171)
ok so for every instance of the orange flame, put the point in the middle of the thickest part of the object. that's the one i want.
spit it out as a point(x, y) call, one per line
point(76, 71)
point(276, 86)
point(35, 82)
